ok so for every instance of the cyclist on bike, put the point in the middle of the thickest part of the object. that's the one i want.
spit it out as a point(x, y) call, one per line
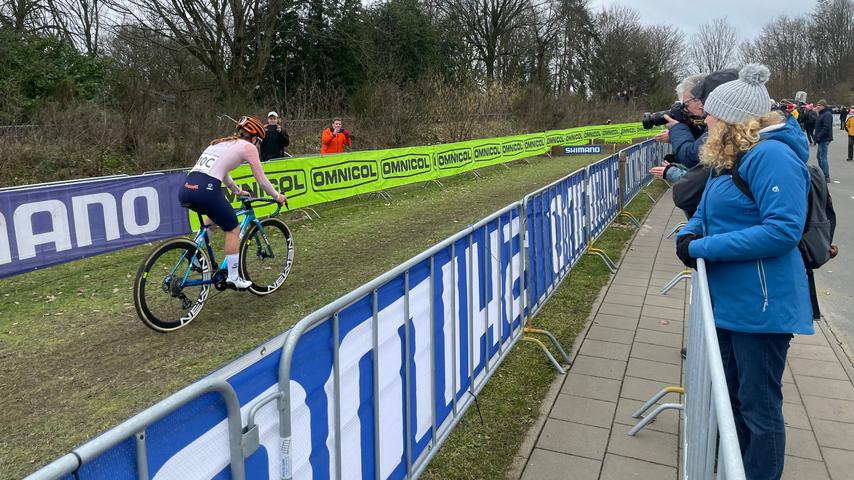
point(202, 192)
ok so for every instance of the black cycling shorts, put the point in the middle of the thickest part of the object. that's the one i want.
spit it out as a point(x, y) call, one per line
point(202, 193)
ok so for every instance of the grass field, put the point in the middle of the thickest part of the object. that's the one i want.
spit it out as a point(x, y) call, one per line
point(75, 359)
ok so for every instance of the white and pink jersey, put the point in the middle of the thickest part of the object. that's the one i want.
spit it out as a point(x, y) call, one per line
point(218, 160)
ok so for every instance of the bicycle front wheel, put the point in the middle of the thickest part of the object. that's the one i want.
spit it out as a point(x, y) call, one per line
point(170, 287)
point(266, 255)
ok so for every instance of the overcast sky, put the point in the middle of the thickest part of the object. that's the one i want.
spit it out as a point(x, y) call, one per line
point(747, 16)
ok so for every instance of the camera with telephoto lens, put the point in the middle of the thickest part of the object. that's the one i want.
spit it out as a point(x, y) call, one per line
point(678, 112)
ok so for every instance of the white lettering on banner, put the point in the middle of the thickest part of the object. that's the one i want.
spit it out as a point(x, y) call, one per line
point(578, 224)
point(209, 454)
point(478, 316)
point(419, 312)
point(558, 227)
point(355, 345)
point(129, 213)
point(59, 234)
point(449, 328)
point(5, 248)
point(494, 307)
point(390, 386)
point(328, 388)
point(80, 209)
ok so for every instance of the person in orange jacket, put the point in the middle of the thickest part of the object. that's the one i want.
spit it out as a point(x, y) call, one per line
point(335, 138)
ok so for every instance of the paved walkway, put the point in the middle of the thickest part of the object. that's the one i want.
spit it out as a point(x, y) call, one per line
point(631, 350)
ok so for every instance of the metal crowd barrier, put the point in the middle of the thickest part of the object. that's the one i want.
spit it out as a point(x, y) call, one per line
point(708, 425)
point(371, 385)
point(472, 258)
point(708, 418)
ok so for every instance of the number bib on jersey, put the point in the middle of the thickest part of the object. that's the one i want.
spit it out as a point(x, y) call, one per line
point(205, 162)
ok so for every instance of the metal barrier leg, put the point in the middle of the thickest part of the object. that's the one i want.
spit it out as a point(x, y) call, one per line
point(655, 398)
point(648, 195)
point(547, 352)
point(676, 229)
point(651, 417)
point(476, 175)
point(554, 342)
point(683, 275)
point(305, 212)
point(605, 258)
point(631, 218)
point(434, 181)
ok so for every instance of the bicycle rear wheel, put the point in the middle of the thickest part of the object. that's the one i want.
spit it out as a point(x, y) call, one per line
point(162, 299)
point(266, 255)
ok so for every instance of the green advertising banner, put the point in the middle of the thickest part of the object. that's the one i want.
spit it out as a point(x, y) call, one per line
point(316, 179)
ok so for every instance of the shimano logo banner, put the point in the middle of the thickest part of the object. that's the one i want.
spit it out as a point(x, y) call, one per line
point(52, 224)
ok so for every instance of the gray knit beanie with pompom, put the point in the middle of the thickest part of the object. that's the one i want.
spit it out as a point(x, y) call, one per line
point(740, 100)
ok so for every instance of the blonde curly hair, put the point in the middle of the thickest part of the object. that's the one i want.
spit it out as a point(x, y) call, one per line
point(727, 141)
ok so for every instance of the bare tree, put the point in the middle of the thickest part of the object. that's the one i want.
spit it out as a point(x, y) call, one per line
point(232, 39)
point(79, 21)
point(832, 28)
point(714, 46)
point(784, 47)
point(486, 23)
point(22, 15)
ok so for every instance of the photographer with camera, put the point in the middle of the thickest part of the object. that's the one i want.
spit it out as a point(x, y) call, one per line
point(671, 169)
point(335, 138)
point(686, 140)
point(276, 139)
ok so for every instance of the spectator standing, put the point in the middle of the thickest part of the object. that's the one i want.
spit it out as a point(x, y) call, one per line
point(686, 143)
point(810, 118)
point(757, 281)
point(843, 115)
point(823, 135)
point(335, 138)
point(276, 139)
point(790, 108)
point(849, 127)
point(687, 140)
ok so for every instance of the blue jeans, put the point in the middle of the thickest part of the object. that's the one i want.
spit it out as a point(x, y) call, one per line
point(822, 158)
point(753, 364)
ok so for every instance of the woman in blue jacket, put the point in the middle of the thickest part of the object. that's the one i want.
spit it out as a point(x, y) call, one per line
point(757, 277)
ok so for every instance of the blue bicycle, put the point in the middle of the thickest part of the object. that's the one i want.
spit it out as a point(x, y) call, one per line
point(174, 281)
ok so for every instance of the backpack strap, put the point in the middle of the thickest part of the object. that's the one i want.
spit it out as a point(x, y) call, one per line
point(816, 312)
point(738, 181)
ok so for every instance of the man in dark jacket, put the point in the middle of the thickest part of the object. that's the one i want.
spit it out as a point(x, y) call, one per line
point(823, 135)
point(843, 115)
point(810, 118)
point(276, 139)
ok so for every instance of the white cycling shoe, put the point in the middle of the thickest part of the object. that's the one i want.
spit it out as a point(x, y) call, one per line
point(239, 283)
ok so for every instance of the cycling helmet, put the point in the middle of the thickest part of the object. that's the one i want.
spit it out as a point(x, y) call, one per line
point(252, 126)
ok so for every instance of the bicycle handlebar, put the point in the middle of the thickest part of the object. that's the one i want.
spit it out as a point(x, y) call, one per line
point(248, 201)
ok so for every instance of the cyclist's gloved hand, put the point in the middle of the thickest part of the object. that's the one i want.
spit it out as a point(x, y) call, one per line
point(281, 199)
point(682, 249)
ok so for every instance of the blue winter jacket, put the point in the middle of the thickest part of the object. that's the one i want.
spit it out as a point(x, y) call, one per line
point(757, 277)
point(686, 148)
point(824, 126)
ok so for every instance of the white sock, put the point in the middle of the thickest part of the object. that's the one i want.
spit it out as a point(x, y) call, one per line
point(232, 261)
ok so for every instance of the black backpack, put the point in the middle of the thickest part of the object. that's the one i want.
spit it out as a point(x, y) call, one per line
point(819, 226)
point(688, 190)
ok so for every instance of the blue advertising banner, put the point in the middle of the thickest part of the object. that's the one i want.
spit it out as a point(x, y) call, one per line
point(52, 224)
point(372, 387)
